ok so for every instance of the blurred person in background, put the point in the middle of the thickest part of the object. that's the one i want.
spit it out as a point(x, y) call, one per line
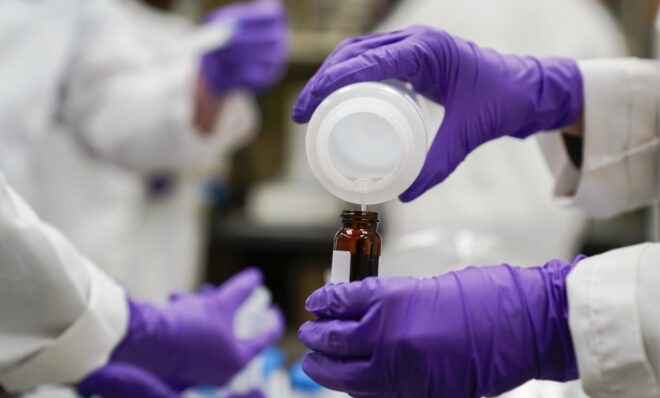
point(83, 65)
point(138, 172)
point(63, 318)
point(474, 217)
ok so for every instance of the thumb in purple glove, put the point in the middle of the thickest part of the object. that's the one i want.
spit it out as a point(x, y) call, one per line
point(486, 94)
point(125, 381)
point(192, 339)
point(472, 333)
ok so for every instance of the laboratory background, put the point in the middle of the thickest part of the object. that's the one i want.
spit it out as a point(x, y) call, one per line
point(255, 201)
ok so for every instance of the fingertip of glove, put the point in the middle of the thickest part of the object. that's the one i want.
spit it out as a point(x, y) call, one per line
point(425, 181)
point(412, 193)
point(252, 273)
point(299, 115)
point(312, 302)
point(304, 330)
point(306, 361)
point(302, 110)
point(308, 304)
point(310, 362)
point(240, 286)
point(321, 298)
point(407, 197)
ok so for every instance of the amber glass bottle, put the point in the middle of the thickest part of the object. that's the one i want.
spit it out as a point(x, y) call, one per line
point(357, 246)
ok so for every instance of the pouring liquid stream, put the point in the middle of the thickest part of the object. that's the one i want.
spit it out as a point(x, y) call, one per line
point(362, 186)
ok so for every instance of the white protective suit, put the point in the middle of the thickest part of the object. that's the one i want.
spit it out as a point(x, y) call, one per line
point(496, 207)
point(151, 244)
point(613, 297)
point(61, 316)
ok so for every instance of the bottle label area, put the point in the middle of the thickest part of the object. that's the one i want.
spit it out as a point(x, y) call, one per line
point(341, 266)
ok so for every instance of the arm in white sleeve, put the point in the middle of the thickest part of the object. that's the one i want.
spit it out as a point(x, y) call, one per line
point(236, 126)
point(125, 103)
point(613, 312)
point(60, 316)
point(619, 169)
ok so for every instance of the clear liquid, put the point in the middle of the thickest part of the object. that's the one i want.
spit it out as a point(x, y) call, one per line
point(362, 187)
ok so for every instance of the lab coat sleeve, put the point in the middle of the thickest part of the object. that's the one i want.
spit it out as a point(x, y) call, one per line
point(613, 300)
point(132, 107)
point(60, 316)
point(619, 169)
point(236, 126)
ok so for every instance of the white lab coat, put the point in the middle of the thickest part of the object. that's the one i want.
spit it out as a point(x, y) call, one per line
point(69, 61)
point(496, 207)
point(151, 244)
point(56, 308)
point(61, 316)
point(613, 297)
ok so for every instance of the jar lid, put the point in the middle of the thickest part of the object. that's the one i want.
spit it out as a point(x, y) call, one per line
point(366, 142)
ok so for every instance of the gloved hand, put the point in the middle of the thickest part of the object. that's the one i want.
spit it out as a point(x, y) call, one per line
point(192, 339)
point(486, 94)
point(125, 381)
point(467, 334)
point(256, 55)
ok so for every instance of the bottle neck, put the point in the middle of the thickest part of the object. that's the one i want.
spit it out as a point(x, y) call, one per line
point(367, 220)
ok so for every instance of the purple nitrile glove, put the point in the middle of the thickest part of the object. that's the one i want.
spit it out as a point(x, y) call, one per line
point(256, 54)
point(192, 339)
point(125, 381)
point(486, 94)
point(128, 381)
point(256, 393)
point(467, 334)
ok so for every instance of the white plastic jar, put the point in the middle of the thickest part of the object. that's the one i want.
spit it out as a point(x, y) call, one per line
point(366, 142)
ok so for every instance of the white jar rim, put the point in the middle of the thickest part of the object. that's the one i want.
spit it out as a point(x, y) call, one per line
point(379, 103)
